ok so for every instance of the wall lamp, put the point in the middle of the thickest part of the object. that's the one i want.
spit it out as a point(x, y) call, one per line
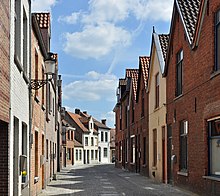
point(50, 63)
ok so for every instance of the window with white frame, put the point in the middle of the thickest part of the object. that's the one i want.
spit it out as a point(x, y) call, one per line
point(86, 141)
point(92, 154)
point(105, 152)
point(106, 136)
point(179, 73)
point(183, 145)
point(214, 147)
point(96, 154)
point(80, 155)
point(102, 139)
point(76, 155)
point(92, 141)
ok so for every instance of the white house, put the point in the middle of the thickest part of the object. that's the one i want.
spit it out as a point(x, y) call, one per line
point(103, 141)
point(19, 96)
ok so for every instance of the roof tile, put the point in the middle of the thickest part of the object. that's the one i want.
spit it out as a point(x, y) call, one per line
point(43, 20)
point(145, 62)
point(133, 73)
point(164, 41)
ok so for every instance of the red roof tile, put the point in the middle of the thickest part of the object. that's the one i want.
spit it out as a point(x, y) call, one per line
point(43, 20)
point(145, 61)
point(164, 41)
point(133, 74)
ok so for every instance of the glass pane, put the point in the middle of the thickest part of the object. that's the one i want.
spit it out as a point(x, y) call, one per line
point(218, 17)
point(215, 128)
point(215, 159)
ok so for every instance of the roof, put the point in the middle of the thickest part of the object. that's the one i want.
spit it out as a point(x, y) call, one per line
point(133, 74)
point(43, 19)
point(144, 63)
point(76, 118)
point(122, 82)
point(164, 41)
point(77, 144)
point(99, 124)
point(189, 11)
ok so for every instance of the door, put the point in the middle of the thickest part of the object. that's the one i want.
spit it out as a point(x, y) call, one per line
point(169, 154)
point(73, 156)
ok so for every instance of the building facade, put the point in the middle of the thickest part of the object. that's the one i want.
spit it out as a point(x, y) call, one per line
point(192, 77)
point(19, 96)
point(157, 109)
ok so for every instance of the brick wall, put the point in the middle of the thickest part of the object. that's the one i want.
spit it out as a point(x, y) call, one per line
point(4, 64)
point(4, 96)
point(200, 101)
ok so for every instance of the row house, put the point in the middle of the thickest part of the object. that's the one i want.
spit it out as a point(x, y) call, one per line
point(45, 106)
point(103, 140)
point(183, 101)
point(91, 139)
point(132, 119)
point(20, 61)
point(156, 89)
point(5, 97)
point(112, 145)
point(193, 96)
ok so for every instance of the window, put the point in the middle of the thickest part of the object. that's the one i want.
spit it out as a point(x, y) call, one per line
point(25, 42)
point(76, 155)
point(92, 154)
point(86, 141)
point(126, 117)
point(144, 150)
point(106, 136)
point(47, 149)
point(214, 147)
point(91, 126)
point(102, 136)
point(179, 73)
point(105, 152)
point(132, 150)
point(68, 153)
point(120, 152)
point(183, 145)
point(36, 153)
point(17, 30)
point(80, 155)
point(155, 147)
point(217, 41)
point(157, 83)
point(92, 141)
point(96, 154)
point(142, 103)
point(24, 139)
point(36, 70)
point(43, 89)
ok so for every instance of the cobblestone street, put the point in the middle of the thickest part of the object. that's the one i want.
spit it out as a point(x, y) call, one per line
point(106, 180)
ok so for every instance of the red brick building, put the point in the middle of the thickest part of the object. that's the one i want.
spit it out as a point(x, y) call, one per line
point(193, 106)
point(4, 96)
point(131, 112)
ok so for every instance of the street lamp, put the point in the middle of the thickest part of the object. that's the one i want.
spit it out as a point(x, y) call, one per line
point(50, 63)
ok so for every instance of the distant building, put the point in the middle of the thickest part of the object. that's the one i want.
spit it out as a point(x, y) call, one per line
point(112, 145)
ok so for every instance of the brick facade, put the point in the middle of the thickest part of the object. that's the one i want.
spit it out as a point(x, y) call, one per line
point(198, 102)
point(4, 96)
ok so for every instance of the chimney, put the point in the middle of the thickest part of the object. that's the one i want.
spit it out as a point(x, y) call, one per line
point(77, 111)
point(85, 112)
point(104, 121)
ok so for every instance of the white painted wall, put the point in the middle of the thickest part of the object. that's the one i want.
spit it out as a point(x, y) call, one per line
point(19, 92)
point(90, 148)
point(104, 144)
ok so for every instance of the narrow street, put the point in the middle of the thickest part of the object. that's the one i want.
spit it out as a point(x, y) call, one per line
point(106, 180)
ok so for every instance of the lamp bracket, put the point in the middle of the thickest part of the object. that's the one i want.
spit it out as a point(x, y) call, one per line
point(37, 84)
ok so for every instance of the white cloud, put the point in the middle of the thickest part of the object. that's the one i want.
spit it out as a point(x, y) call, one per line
point(98, 87)
point(72, 19)
point(42, 5)
point(96, 41)
point(102, 30)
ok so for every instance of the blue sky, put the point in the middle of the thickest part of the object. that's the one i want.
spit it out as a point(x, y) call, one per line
point(96, 40)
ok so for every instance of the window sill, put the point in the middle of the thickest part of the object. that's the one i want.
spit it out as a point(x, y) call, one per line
point(43, 107)
point(156, 109)
point(36, 179)
point(178, 97)
point(182, 173)
point(212, 178)
point(214, 74)
point(132, 163)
